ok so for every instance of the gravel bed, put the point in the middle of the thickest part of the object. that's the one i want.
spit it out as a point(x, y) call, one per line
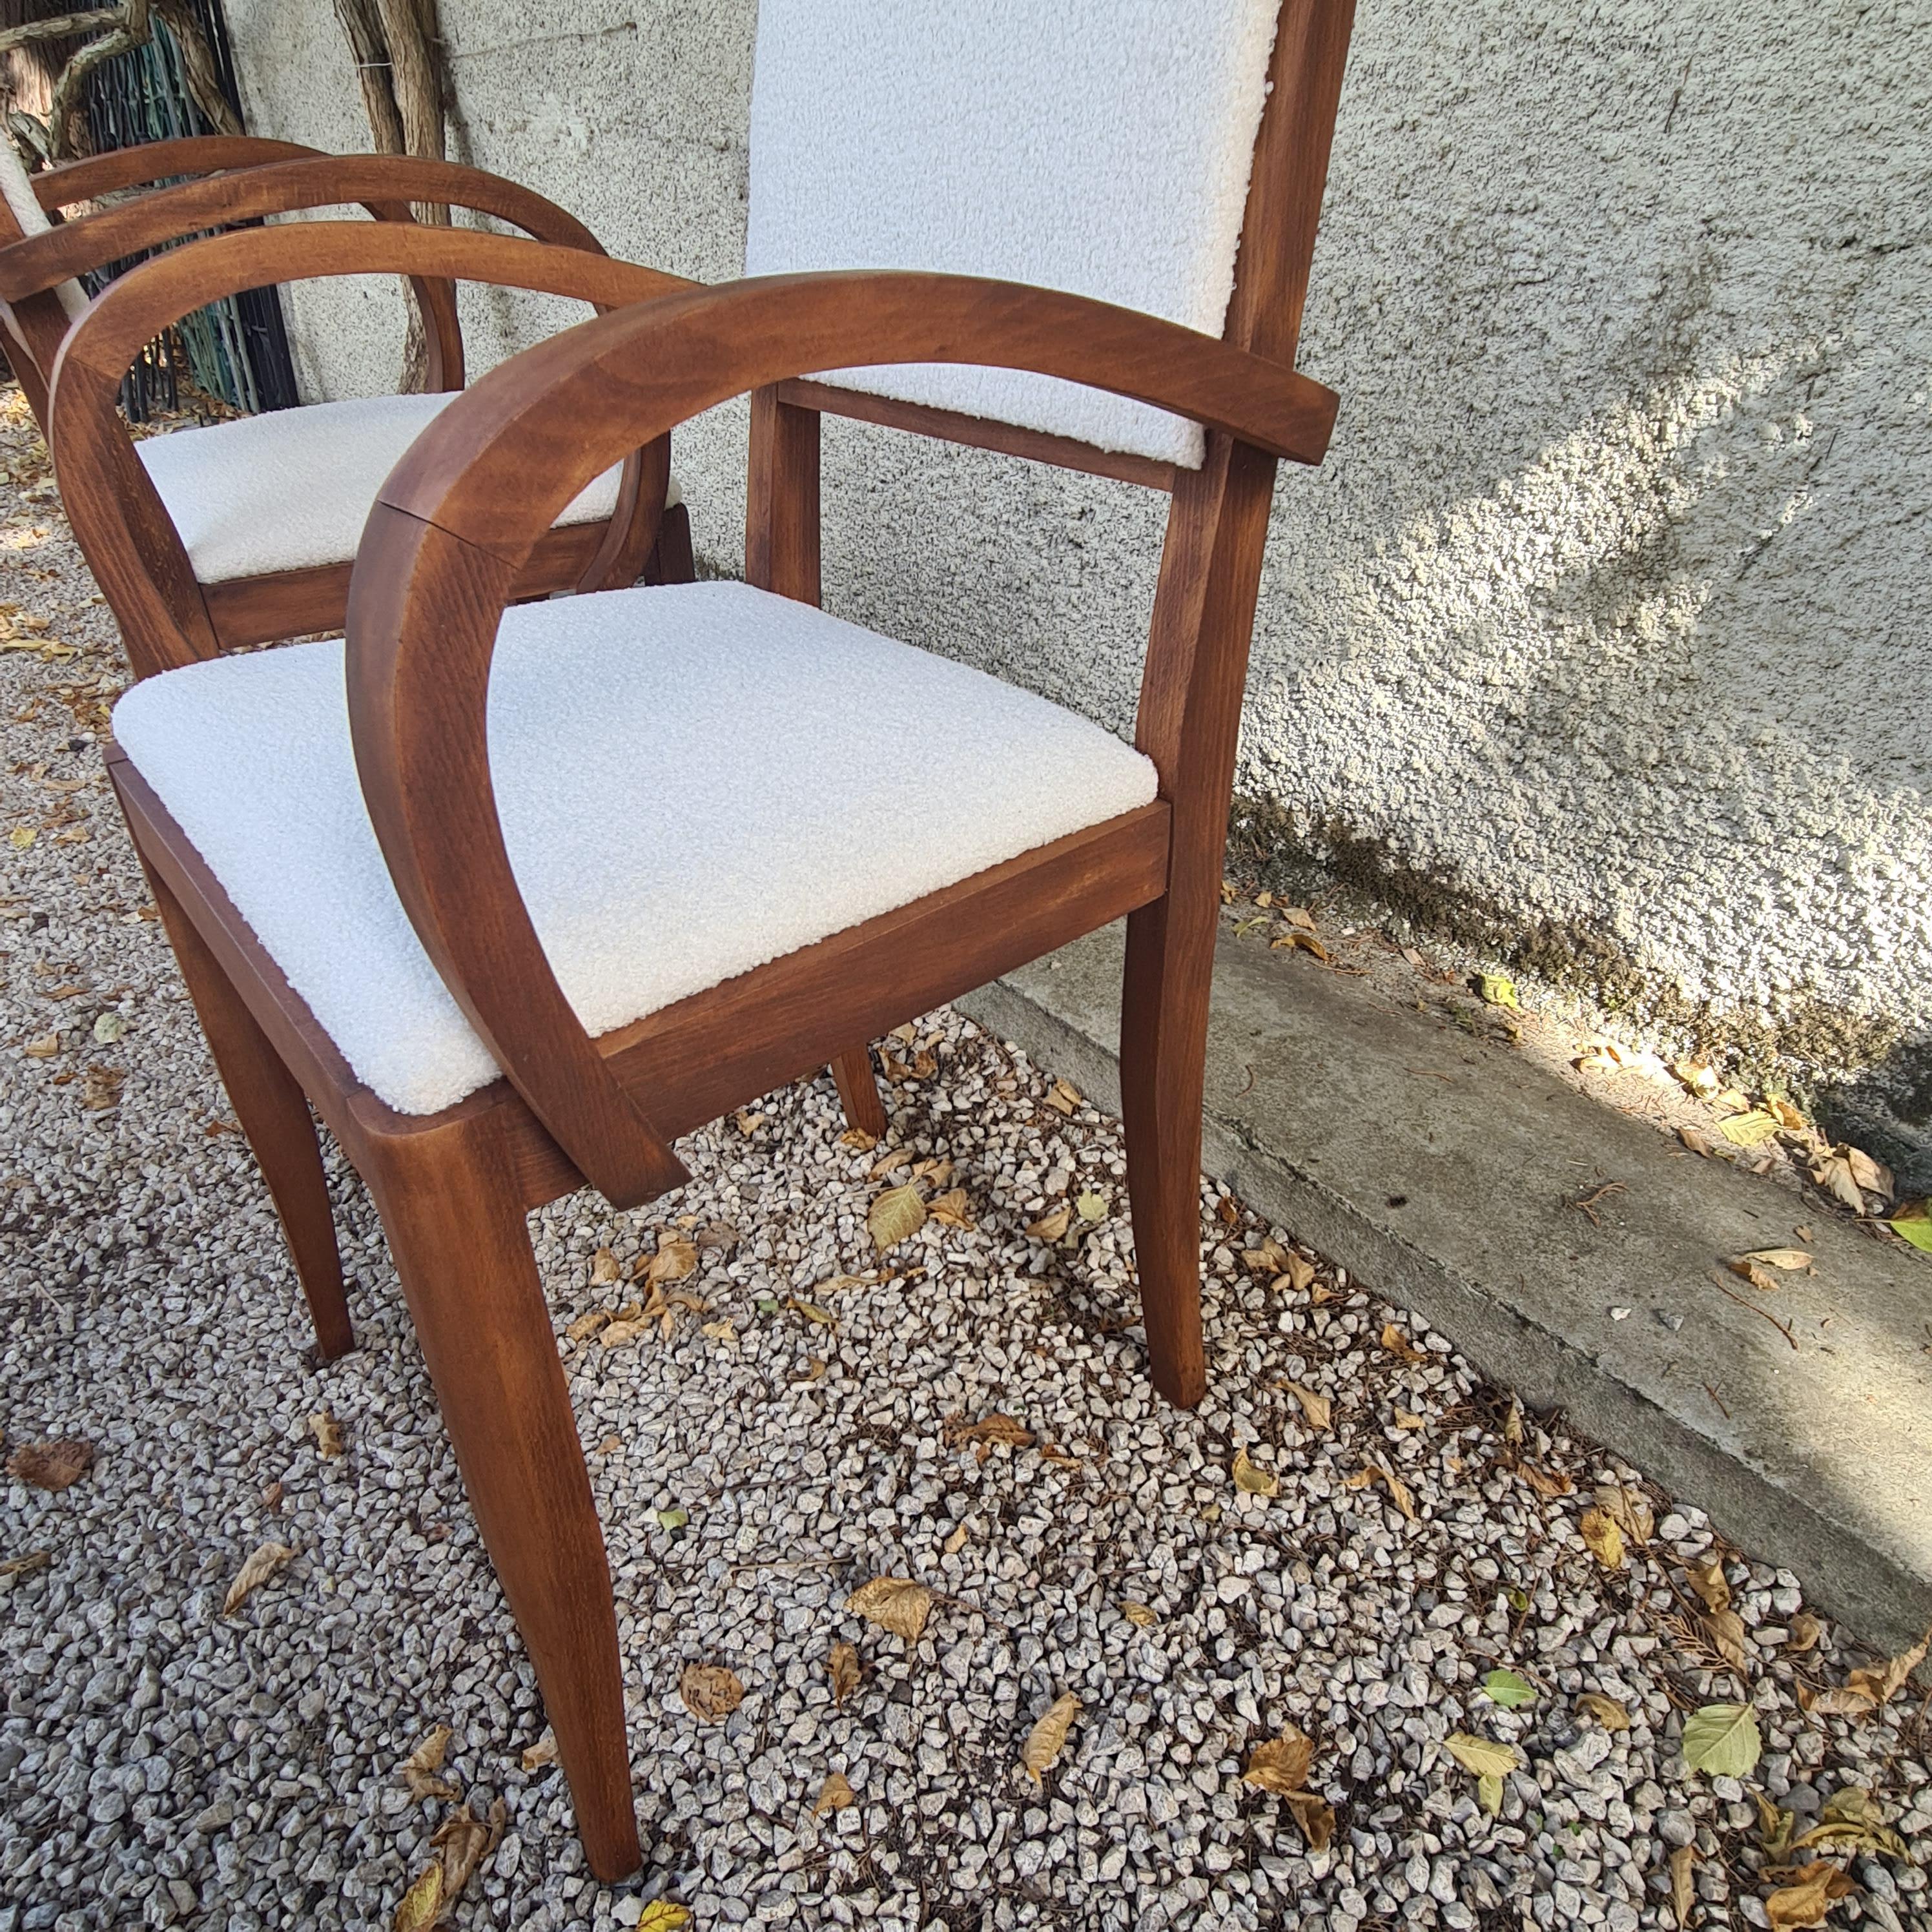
point(163, 1763)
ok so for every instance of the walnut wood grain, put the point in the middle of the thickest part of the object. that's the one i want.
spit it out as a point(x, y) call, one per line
point(68, 183)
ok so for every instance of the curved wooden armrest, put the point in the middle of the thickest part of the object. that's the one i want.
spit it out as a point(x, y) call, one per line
point(384, 183)
point(116, 514)
point(440, 557)
point(92, 175)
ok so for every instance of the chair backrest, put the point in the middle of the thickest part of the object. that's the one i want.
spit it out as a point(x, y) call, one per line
point(23, 216)
point(1103, 147)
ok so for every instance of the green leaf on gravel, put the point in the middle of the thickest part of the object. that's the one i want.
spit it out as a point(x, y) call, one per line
point(1506, 1688)
point(1913, 1223)
point(1723, 1740)
point(1496, 990)
point(1092, 1206)
point(109, 1027)
point(673, 1520)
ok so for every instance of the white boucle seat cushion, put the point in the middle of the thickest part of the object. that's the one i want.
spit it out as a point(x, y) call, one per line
point(692, 780)
point(292, 489)
point(1101, 146)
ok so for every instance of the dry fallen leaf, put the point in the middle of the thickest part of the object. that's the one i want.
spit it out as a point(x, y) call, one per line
point(1882, 1682)
point(1064, 1097)
point(328, 1433)
point(1546, 1483)
point(26, 1565)
point(1604, 1537)
point(1317, 1410)
point(43, 1046)
point(253, 1574)
point(1759, 1276)
point(587, 1325)
point(421, 1905)
point(1399, 1344)
point(858, 1140)
point(897, 1215)
point(1628, 1509)
point(1805, 1901)
point(51, 1465)
point(1791, 1260)
point(1708, 1579)
point(1315, 1815)
point(1606, 1711)
point(1280, 1765)
point(1873, 1176)
point(1051, 1227)
point(956, 1542)
point(1807, 1633)
point(1299, 938)
point(835, 1794)
point(1723, 1740)
point(1270, 1257)
point(1683, 1891)
point(844, 1668)
point(465, 1841)
point(1727, 1630)
point(949, 1209)
point(997, 1429)
point(543, 1752)
point(895, 1604)
point(748, 1122)
point(1490, 1762)
point(1378, 1472)
point(603, 1268)
point(1047, 1738)
point(419, 1770)
point(1138, 1615)
point(1251, 1480)
point(663, 1915)
point(709, 1690)
point(674, 1259)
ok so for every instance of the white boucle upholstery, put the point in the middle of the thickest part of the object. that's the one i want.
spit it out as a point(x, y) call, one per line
point(16, 186)
point(292, 488)
point(692, 780)
point(1101, 146)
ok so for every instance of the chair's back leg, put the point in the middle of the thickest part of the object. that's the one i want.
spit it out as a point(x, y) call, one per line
point(670, 560)
point(456, 1228)
point(274, 1113)
point(859, 1091)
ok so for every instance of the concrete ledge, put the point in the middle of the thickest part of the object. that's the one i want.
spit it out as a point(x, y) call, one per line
point(1436, 1168)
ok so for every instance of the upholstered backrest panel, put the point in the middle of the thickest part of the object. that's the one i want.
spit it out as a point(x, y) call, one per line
point(1102, 146)
point(17, 187)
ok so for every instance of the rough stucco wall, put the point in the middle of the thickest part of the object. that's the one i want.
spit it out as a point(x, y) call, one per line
point(1604, 616)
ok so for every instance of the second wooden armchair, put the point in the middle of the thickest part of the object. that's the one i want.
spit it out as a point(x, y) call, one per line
point(406, 878)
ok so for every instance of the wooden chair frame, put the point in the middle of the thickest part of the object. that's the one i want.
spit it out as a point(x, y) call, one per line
point(286, 604)
point(446, 550)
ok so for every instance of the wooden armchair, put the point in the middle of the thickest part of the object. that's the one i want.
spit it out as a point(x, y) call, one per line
point(454, 979)
point(251, 525)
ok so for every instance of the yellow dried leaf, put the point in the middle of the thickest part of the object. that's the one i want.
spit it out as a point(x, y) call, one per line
point(1380, 1472)
point(44, 1046)
point(604, 1269)
point(949, 1209)
point(1604, 1538)
point(465, 1841)
point(419, 1770)
point(421, 1905)
point(1063, 1096)
point(748, 1122)
point(328, 1434)
point(1251, 1480)
point(1606, 1711)
point(1807, 1633)
point(1790, 1259)
point(844, 1668)
point(1280, 1765)
point(1698, 1076)
point(1138, 1615)
point(587, 1325)
point(895, 1604)
point(812, 1311)
point(543, 1752)
point(1051, 1227)
point(663, 1915)
point(1882, 1682)
point(1317, 1410)
point(1750, 1129)
point(858, 1140)
point(1298, 938)
point(261, 1565)
point(1805, 1901)
point(1628, 1509)
point(896, 1215)
point(710, 1691)
point(1683, 1890)
point(1002, 1430)
point(956, 1542)
point(721, 1332)
point(1047, 1737)
point(1270, 1257)
point(1727, 1634)
point(1482, 1756)
point(618, 1333)
point(835, 1794)
point(674, 1259)
point(1873, 1176)
point(892, 1158)
point(1405, 1419)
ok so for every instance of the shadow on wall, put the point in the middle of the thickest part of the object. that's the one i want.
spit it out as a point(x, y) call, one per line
point(1589, 697)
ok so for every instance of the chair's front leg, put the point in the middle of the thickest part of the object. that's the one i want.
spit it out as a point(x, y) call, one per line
point(456, 1229)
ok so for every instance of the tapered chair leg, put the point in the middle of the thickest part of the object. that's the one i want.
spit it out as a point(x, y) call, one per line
point(456, 1230)
point(1163, 1054)
point(670, 560)
point(859, 1091)
point(274, 1113)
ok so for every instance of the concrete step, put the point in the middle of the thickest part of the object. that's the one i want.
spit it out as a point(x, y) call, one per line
point(1436, 1168)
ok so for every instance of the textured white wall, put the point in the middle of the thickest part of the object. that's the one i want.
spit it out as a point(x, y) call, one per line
point(1606, 615)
